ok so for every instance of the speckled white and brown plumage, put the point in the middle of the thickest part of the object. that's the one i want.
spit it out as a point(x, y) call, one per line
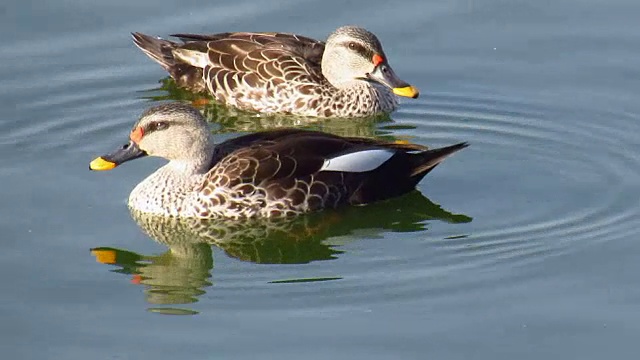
point(267, 174)
point(348, 76)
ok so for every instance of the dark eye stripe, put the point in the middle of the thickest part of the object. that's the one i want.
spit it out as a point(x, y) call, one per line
point(354, 46)
point(156, 126)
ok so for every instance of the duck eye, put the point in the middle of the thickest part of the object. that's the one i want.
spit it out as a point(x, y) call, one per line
point(160, 125)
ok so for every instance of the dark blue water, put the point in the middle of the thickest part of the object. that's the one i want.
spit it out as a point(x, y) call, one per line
point(522, 246)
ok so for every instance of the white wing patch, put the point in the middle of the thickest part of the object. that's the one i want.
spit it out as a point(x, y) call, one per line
point(359, 161)
point(192, 57)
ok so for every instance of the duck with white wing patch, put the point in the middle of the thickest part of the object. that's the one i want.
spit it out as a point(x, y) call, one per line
point(267, 174)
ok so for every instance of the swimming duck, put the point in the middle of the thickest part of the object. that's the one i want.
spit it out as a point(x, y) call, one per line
point(348, 76)
point(273, 173)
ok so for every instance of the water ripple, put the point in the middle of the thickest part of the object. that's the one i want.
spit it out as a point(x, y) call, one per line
point(538, 181)
point(530, 146)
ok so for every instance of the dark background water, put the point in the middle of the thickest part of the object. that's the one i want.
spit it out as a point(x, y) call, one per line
point(522, 246)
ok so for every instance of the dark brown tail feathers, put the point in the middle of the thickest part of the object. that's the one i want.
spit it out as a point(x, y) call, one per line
point(159, 50)
point(427, 160)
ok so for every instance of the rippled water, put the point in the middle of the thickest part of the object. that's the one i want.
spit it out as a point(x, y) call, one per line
point(521, 246)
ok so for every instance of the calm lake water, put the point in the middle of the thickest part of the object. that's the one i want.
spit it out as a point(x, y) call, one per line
point(523, 246)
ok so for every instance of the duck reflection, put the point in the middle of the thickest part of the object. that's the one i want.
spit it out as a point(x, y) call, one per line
point(232, 120)
point(181, 275)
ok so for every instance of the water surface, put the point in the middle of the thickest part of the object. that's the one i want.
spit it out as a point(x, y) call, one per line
point(521, 246)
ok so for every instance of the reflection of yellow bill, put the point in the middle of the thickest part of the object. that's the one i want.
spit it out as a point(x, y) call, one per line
point(104, 256)
point(408, 91)
point(100, 164)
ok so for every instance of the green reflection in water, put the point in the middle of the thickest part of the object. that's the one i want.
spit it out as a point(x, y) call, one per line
point(181, 275)
point(172, 311)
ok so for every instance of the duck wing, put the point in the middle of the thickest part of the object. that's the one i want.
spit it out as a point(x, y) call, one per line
point(227, 62)
point(314, 170)
point(308, 48)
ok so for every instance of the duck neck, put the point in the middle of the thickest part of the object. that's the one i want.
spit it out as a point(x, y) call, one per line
point(191, 167)
point(366, 96)
point(166, 190)
point(197, 160)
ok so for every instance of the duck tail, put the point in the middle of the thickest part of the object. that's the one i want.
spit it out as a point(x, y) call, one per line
point(170, 56)
point(160, 50)
point(426, 160)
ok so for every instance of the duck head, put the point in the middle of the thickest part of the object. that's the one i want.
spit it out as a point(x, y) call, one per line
point(175, 131)
point(355, 54)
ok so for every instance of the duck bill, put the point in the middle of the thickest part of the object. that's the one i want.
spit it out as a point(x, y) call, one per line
point(127, 152)
point(384, 74)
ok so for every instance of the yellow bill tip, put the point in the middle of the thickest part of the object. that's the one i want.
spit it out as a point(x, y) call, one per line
point(100, 164)
point(407, 91)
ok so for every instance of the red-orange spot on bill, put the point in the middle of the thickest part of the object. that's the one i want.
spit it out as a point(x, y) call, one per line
point(136, 134)
point(377, 59)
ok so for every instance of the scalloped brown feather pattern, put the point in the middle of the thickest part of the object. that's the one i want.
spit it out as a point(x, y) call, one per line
point(276, 173)
point(265, 72)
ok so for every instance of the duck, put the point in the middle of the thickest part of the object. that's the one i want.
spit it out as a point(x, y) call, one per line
point(270, 174)
point(280, 73)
